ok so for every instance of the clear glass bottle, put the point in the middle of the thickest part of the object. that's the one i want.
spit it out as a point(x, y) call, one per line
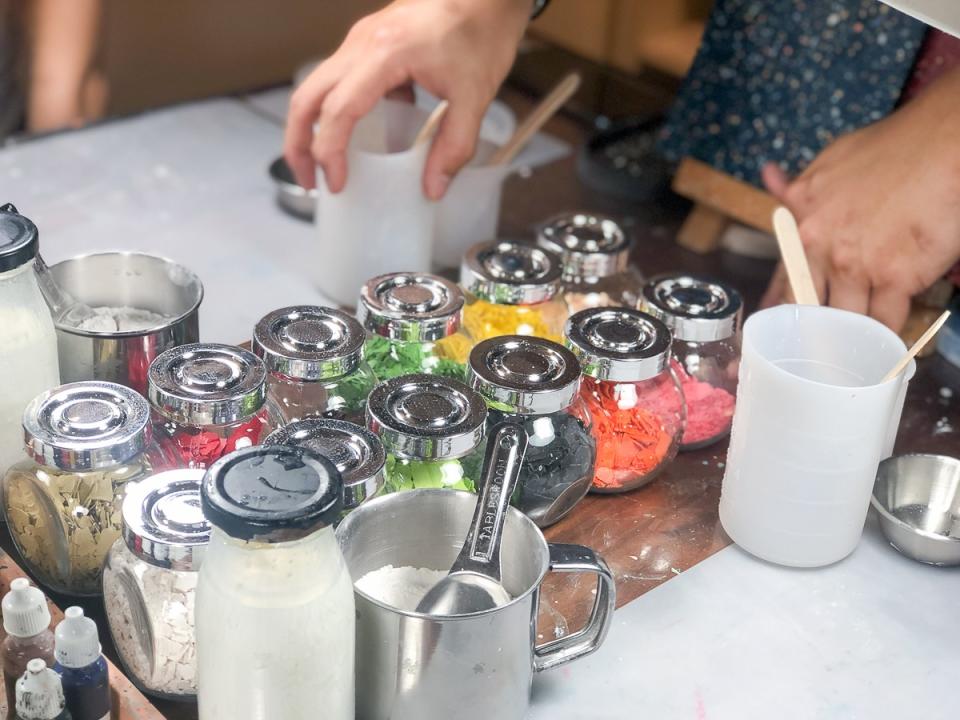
point(208, 400)
point(28, 341)
point(358, 454)
point(511, 289)
point(86, 442)
point(150, 583)
point(413, 320)
point(705, 317)
point(275, 612)
point(314, 357)
point(536, 382)
point(432, 428)
point(632, 392)
point(595, 252)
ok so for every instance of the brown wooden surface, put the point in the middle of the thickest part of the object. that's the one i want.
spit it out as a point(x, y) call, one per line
point(703, 184)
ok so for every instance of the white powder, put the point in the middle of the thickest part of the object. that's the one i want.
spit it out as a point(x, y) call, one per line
point(400, 587)
point(114, 319)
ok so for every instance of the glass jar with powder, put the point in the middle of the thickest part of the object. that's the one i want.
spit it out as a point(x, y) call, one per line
point(536, 382)
point(705, 317)
point(432, 428)
point(632, 392)
point(208, 400)
point(86, 442)
point(314, 357)
point(414, 323)
point(595, 252)
point(512, 289)
point(150, 582)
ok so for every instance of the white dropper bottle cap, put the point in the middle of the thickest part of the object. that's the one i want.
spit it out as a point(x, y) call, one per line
point(77, 643)
point(25, 611)
point(39, 693)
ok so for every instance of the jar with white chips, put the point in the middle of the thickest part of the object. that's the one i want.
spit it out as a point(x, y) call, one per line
point(150, 583)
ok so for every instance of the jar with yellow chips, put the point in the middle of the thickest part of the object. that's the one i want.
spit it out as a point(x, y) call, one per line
point(512, 289)
point(85, 443)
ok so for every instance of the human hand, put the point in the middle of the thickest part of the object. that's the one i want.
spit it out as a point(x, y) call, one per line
point(879, 210)
point(459, 50)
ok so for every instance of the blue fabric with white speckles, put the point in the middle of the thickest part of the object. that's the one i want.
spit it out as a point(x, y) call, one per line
point(778, 80)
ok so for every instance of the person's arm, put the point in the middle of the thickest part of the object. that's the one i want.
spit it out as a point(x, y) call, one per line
point(879, 209)
point(459, 50)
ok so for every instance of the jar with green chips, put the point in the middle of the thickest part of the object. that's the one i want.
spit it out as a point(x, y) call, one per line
point(413, 321)
point(433, 430)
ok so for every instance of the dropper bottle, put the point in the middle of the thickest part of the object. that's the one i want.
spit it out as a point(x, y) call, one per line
point(39, 694)
point(82, 668)
point(26, 620)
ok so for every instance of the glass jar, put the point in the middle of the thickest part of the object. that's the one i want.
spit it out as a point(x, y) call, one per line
point(633, 395)
point(414, 325)
point(432, 428)
point(595, 252)
point(314, 357)
point(275, 612)
point(86, 442)
point(511, 289)
point(705, 317)
point(358, 454)
point(536, 382)
point(150, 583)
point(208, 400)
point(28, 341)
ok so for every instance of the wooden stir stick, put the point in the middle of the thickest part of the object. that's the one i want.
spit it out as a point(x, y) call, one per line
point(917, 347)
point(547, 108)
point(794, 257)
point(432, 123)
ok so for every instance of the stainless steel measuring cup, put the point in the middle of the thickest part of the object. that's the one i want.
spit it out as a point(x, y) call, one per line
point(412, 666)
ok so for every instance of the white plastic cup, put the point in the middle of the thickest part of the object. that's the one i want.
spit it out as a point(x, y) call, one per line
point(381, 221)
point(811, 424)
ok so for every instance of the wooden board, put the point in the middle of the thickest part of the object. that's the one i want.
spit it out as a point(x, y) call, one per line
point(731, 197)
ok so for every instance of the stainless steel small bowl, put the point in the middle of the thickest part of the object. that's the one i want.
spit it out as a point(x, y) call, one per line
point(918, 500)
point(291, 197)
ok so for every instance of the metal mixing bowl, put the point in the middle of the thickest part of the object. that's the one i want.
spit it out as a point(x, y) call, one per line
point(918, 500)
point(291, 197)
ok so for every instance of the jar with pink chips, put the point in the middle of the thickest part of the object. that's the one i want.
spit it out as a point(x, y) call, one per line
point(705, 317)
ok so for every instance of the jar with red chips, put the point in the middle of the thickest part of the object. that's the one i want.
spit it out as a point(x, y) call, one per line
point(632, 393)
point(207, 400)
point(705, 318)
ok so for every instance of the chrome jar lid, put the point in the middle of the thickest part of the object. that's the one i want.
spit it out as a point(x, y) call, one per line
point(510, 273)
point(696, 309)
point(86, 426)
point(525, 375)
point(207, 384)
point(272, 494)
point(410, 306)
point(19, 239)
point(591, 246)
point(621, 345)
point(163, 523)
point(309, 343)
point(426, 417)
point(358, 453)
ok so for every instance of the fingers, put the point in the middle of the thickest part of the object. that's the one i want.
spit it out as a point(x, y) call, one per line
point(453, 146)
point(849, 292)
point(890, 306)
point(776, 181)
point(304, 108)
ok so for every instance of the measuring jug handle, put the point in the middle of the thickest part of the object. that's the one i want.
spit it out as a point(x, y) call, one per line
point(579, 559)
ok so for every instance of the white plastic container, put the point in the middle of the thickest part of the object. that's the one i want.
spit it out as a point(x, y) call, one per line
point(812, 423)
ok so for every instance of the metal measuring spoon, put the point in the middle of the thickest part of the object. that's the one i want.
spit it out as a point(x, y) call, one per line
point(473, 584)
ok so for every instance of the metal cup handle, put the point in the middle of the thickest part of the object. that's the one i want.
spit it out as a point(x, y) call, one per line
point(579, 559)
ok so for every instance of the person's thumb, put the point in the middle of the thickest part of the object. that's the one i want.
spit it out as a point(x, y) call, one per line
point(776, 181)
point(453, 147)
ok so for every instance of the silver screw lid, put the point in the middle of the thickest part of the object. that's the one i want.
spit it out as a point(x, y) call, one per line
point(207, 384)
point(410, 306)
point(358, 453)
point(696, 309)
point(621, 345)
point(309, 343)
point(86, 426)
point(163, 522)
point(510, 273)
point(426, 417)
point(525, 375)
point(591, 246)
